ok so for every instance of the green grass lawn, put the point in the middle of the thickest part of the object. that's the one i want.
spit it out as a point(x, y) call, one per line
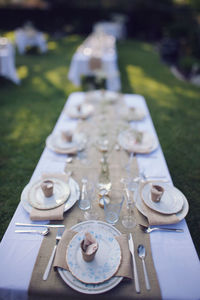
point(28, 114)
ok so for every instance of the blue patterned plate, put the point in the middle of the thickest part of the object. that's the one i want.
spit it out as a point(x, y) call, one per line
point(105, 263)
point(89, 288)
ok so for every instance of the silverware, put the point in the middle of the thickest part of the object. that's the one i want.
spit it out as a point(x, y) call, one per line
point(142, 253)
point(48, 267)
point(42, 232)
point(131, 248)
point(150, 229)
point(40, 225)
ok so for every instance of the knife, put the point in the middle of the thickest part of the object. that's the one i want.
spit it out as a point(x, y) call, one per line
point(131, 248)
point(40, 225)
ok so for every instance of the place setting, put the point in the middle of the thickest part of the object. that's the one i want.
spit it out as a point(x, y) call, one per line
point(103, 96)
point(49, 197)
point(137, 141)
point(66, 142)
point(80, 111)
point(161, 203)
point(131, 113)
point(89, 257)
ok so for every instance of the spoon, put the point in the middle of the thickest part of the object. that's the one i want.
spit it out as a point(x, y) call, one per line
point(41, 232)
point(150, 229)
point(142, 253)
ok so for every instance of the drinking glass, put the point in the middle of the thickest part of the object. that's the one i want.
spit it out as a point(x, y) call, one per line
point(112, 209)
point(128, 219)
point(84, 201)
point(91, 213)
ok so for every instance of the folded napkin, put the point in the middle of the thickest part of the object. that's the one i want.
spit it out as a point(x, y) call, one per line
point(50, 214)
point(154, 217)
point(125, 268)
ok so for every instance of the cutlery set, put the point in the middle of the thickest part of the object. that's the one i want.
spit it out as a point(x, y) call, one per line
point(141, 253)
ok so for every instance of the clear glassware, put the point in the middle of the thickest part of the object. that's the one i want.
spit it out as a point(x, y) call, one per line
point(91, 213)
point(87, 199)
point(112, 210)
point(128, 219)
point(84, 202)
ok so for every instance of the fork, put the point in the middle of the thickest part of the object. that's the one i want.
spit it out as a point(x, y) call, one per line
point(48, 267)
point(150, 229)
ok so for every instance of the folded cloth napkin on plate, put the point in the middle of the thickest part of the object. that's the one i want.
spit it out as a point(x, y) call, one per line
point(125, 268)
point(154, 217)
point(50, 214)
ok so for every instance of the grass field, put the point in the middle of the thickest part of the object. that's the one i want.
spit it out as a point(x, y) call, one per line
point(28, 113)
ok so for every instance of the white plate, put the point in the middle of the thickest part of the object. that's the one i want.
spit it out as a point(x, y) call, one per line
point(108, 96)
point(74, 196)
point(171, 201)
point(37, 199)
point(126, 140)
point(86, 111)
point(129, 114)
point(180, 215)
point(86, 288)
point(106, 261)
point(57, 144)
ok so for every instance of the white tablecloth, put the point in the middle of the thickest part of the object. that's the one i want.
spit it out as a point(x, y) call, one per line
point(176, 261)
point(80, 66)
point(116, 29)
point(24, 39)
point(7, 63)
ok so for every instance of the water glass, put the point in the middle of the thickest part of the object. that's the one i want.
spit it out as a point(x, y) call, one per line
point(112, 211)
point(85, 197)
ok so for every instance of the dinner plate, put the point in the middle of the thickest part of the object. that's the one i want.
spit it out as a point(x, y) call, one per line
point(73, 197)
point(128, 140)
point(180, 215)
point(98, 95)
point(171, 201)
point(56, 143)
point(86, 111)
point(88, 288)
point(132, 114)
point(37, 199)
point(106, 261)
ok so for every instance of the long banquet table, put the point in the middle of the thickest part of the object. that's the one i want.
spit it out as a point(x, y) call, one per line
point(95, 46)
point(175, 259)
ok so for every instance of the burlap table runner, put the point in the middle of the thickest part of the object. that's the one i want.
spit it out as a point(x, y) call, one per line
point(95, 63)
point(54, 287)
point(125, 268)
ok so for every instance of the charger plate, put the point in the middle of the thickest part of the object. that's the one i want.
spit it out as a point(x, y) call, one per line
point(57, 144)
point(73, 197)
point(86, 111)
point(171, 201)
point(180, 215)
point(37, 199)
point(132, 113)
point(89, 288)
point(127, 140)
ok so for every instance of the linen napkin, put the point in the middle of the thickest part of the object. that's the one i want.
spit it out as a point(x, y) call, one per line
point(125, 268)
point(50, 214)
point(154, 217)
